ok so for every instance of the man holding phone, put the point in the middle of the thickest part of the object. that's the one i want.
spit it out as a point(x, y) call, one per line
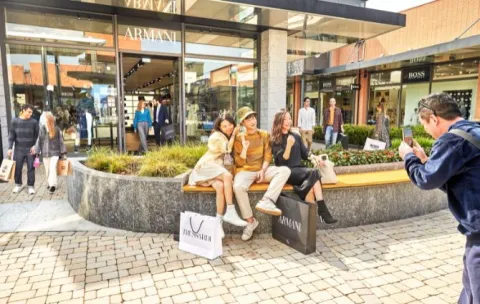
point(253, 155)
point(453, 167)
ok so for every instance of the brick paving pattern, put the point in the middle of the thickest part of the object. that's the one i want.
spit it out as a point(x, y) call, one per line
point(417, 260)
point(410, 261)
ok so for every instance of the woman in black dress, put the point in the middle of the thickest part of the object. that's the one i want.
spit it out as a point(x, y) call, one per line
point(289, 150)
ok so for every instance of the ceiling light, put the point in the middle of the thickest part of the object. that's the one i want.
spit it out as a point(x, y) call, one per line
point(146, 60)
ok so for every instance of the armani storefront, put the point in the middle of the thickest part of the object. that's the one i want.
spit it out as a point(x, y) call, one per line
point(88, 61)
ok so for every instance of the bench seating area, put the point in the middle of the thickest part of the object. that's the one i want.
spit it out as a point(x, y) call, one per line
point(344, 181)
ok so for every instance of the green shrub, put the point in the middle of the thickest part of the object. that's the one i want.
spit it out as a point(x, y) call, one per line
point(424, 142)
point(106, 160)
point(357, 134)
point(153, 167)
point(187, 155)
point(318, 133)
point(396, 133)
point(396, 143)
point(360, 157)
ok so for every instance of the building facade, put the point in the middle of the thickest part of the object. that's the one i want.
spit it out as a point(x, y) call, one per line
point(88, 61)
point(437, 51)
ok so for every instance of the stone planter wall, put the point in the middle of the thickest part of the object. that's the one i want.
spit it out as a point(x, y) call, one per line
point(145, 204)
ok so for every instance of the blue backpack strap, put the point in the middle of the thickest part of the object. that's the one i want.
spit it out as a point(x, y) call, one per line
point(467, 136)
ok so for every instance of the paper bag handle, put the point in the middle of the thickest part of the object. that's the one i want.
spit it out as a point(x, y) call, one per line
point(191, 226)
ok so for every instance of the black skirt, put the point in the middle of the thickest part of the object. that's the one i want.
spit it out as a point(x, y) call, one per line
point(302, 179)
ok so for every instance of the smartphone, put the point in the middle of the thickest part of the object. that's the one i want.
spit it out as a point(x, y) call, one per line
point(408, 136)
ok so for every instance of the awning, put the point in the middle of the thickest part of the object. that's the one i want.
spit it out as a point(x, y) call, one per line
point(457, 49)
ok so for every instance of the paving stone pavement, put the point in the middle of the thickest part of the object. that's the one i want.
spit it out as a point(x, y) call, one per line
point(418, 260)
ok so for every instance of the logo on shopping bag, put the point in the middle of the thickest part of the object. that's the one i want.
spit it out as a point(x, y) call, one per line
point(196, 234)
point(292, 224)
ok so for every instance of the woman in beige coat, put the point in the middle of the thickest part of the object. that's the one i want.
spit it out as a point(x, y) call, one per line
point(213, 169)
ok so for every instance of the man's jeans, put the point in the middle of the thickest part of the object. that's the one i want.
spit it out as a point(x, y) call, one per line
point(20, 157)
point(471, 272)
point(330, 137)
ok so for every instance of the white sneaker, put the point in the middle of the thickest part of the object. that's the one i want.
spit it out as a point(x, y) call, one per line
point(267, 207)
point(18, 188)
point(31, 190)
point(231, 216)
point(248, 231)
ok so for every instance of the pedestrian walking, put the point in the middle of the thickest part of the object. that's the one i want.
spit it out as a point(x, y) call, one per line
point(51, 146)
point(332, 123)
point(21, 142)
point(453, 167)
point(142, 122)
point(306, 123)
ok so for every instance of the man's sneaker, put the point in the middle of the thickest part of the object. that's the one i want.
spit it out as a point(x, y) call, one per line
point(267, 207)
point(31, 190)
point(52, 190)
point(18, 188)
point(232, 217)
point(248, 231)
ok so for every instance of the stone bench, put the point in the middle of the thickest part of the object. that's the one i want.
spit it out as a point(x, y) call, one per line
point(150, 204)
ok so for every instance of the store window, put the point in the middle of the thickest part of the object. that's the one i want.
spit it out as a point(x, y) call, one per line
point(216, 43)
point(345, 97)
point(460, 80)
point(325, 94)
point(385, 78)
point(390, 97)
point(215, 87)
point(79, 29)
point(416, 84)
point(83, 99)
point(312, 91)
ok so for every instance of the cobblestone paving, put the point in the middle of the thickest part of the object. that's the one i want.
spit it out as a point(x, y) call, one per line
point(417, 260)
point(41, 192)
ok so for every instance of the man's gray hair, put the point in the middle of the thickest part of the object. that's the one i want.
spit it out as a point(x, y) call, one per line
point(439, 104)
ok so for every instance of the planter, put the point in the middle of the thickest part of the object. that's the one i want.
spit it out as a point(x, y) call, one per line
point(145, 204)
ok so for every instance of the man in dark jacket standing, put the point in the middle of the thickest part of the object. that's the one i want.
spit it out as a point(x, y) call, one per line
point(332, 123)
point(160, 119)
point(454, 167)
point(23, 134)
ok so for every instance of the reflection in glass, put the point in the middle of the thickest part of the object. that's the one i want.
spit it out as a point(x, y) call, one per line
point(82, 30)
point(206, 42)
point(456, 70)
point(385, 78)
point(213, 88)
point(83, 96)
point(390, 96)
point(411, 94)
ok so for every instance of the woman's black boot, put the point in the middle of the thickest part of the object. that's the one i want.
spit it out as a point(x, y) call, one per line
point(324, 214)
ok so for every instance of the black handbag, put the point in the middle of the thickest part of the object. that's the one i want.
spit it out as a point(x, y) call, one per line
point(168, 132)
point(297, 226)
point(343, 140)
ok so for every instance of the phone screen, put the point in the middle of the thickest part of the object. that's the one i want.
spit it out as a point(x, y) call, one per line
point(408, 136)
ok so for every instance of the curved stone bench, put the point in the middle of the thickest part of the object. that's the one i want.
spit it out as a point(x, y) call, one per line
point(146, 204)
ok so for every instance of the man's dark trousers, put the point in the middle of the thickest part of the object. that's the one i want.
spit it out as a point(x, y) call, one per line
point(20, 157)
point(471, 272)
point(158, 135)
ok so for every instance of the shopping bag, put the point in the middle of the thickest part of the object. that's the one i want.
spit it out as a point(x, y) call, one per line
point(297, 226)
point(343, 140)
point(36, 162)
point(64, 167)
point(327, 171)
point(373, 144)
point(200, 235)
point(7, 170)
point(168, 132)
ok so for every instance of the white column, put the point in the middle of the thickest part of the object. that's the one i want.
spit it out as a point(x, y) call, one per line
point(273, 93)
point(3, 112)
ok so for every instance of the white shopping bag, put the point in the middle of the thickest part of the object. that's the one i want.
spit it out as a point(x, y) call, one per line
point(327, 172)
point(373, 144)
point(200, 235)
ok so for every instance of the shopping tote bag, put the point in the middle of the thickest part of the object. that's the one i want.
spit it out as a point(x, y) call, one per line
point(64, 167)
point(7, 170)
point(297, 226)
point(200, 235)
point(327, 171)
point(373, 144)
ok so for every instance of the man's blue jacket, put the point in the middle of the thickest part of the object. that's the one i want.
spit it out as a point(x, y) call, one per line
point(454, 167)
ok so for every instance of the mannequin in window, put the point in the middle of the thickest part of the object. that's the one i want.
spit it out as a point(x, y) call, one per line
point(192, 111)
point(85, 113)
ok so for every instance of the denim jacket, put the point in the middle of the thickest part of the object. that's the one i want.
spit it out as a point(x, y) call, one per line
point(453, 167)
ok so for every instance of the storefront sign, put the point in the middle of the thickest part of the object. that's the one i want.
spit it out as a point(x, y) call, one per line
point(416, 75)
point(422, 59)
point(354, 86)
point(162, 6)
point(295, 68)
point(153, 35)
point(326, 85)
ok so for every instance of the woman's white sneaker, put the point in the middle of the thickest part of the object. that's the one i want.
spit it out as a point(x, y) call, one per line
point(31, 190)
point(18, 188)
point(231, 216)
